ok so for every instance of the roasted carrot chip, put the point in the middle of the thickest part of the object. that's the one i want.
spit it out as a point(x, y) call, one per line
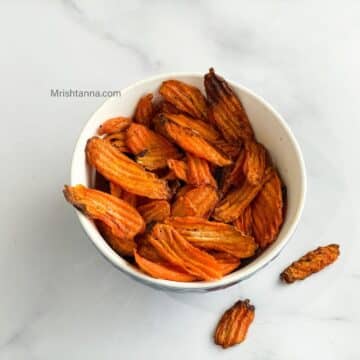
point(179, 167)
point(267, 212)
point(186, 98)
point(234, 324)
point(114, 125)
point(235, 176)
point(199, 201)
point(144, 111)
point(168, 108)
point(311, 263)
point(118, 140)
point(116, 190)
point(244, 222)
point(237, 200)
point(151, 149)
point(162, 270)
point(183, 207)
point(122, 245)
point(228, 262)
point(155, 210)
point(226, 110)
point(130, 198)
point(212, 235)
point(145, 248)
point(202, 128)
point(193, 143)
point(231, 150)
point(254, 162)
point(122, 219)
point(174, 248)
point(198, 172)
point(124, 172)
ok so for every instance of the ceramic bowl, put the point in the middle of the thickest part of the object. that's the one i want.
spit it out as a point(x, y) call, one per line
point(270, 129)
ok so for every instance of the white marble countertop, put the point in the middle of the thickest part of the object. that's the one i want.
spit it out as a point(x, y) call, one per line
point(59, 298)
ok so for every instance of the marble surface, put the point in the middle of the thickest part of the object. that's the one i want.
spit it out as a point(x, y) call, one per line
point(59, 299)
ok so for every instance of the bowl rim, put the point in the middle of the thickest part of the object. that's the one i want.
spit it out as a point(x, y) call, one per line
point(230, 279)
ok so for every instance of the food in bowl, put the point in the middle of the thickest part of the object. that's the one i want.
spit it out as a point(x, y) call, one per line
point(191, 194)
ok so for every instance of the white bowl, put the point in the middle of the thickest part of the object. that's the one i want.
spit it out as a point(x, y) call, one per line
point(270, 129)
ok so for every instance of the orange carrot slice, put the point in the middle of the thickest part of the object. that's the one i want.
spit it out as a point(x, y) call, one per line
point(151, 149)
point(226, 110)
point(123, 220)
point(193, 143)
point(186, 98)
point(179, 167)
point(198, 172)
point(163, 270)
point(124, 172)
point(255, 162)
point(199, 201)
point(174, 248)
point(114, 125)
point(267, 212)
point(155, 210)
point(212, 235)
point(122, 245)
point(237, 200)
point(244, 222)
point(144, 111)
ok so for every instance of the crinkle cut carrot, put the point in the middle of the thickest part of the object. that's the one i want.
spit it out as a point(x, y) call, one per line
point(163, 270)
point(144, 111)
point(267, 212)
point(152, 150)
point(114, 125)
point(123, 171)
point(177, 250)
point(179, 167)
point(199, 201)
point(227, 262)
point(237, 200)
point(185, 97)
point(212, 235)
point(244, 223)
point(121, 245)
point(123, 220)
point(204, 129)
point(234, 324)
point(255, 162)
point(193, 143)
point(155, 210)
point(226, 110)
point(198, 172)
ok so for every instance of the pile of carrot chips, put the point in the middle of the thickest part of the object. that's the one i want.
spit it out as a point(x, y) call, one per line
point(190, 193)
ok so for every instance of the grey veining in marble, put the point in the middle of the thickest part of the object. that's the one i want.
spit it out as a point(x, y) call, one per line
point(59, 298)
